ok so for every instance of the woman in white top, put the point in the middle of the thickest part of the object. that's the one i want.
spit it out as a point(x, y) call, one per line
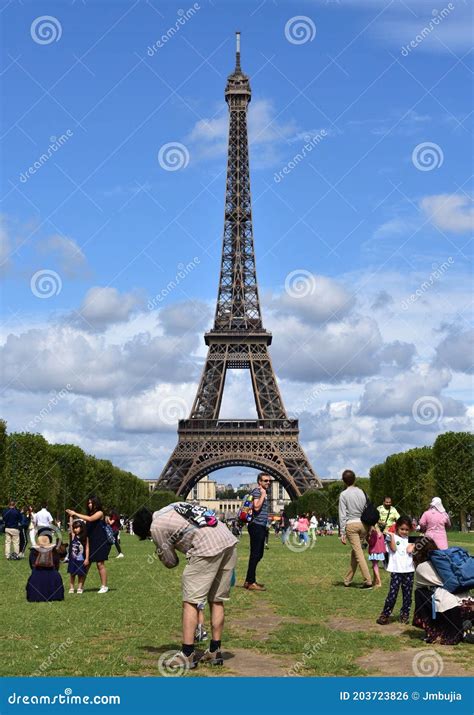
point(400, 565)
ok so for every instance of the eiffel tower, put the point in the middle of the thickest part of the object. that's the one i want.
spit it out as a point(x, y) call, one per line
point(238, 341)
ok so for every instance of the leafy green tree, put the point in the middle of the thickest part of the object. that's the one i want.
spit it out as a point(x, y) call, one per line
point(378, 488)
point(71, 463)
point(31, 473)
point(416, 481)
point(3, 455)
point(453, 473)
point(160, 499)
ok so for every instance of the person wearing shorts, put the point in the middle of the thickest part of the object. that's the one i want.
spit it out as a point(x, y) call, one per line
point(211, 553)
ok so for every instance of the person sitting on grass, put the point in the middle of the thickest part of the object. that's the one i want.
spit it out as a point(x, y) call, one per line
point(451, 610)
point(211, 553)
point(45, 582)
point(400, 565)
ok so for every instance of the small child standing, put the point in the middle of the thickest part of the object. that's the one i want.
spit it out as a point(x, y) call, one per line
point(400, 565)
point(377, 552)
point(78, 556)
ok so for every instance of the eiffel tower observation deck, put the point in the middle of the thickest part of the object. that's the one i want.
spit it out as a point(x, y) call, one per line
point(238, 340)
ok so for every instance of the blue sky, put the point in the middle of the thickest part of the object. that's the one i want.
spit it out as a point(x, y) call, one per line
point(366, 218)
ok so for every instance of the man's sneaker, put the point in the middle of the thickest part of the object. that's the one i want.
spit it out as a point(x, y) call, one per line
point(382, 620)
point(201, 634)
point(404, 617)
point(179, 662)
point(212, 658)
point(366, 586)
point(120, 556)
point(103, 589)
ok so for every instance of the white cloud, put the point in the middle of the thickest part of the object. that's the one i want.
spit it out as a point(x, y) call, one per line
point(321, 299)
point(397, 396)
point(267, 134)
point(70, 258)
point(456, 351)
point(51, 358)
point(449, 212)
point(180, 318)
point(103, 306)
point(336, 351)
point(5, 246)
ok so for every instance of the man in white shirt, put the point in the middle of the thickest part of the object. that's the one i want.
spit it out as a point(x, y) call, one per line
point(43, 517)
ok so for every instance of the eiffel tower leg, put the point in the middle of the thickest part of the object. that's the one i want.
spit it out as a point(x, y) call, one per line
point(267, 395)
point(209, 395)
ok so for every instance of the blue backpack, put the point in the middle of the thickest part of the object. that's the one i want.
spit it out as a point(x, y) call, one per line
point(455, 567)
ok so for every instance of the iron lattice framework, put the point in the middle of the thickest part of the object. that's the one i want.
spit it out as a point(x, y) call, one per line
point(238, 341)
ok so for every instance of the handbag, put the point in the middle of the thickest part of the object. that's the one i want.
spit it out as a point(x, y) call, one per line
point(370, 514)
point(109, 533)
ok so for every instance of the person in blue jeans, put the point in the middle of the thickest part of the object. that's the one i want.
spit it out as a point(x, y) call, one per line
point(257, 529)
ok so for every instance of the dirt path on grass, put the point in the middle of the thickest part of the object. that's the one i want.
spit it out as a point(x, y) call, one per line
point(423, 660)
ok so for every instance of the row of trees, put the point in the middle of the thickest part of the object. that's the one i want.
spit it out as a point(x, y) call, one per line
point(324, 502)
point(414, 477)
point(32, 471)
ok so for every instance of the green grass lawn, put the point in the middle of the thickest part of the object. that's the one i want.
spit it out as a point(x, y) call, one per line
point(306, 616)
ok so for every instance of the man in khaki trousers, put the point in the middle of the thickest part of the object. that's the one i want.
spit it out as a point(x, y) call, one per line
point(351, 505)
point(11, 519)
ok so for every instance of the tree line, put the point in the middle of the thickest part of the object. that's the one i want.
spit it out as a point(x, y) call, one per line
point(62, 475)
point(412, 479)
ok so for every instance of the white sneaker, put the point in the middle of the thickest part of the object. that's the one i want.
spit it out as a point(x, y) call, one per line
point(120, 556)
point(103, 589)
point(79, 590)
point(71, 590)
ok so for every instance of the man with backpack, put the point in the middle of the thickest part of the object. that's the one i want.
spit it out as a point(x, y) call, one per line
point(211, 554)
point(257, 529)
point(352, 502)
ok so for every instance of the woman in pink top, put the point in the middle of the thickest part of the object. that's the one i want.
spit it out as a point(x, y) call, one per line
point(303, 526)
point(434, 522)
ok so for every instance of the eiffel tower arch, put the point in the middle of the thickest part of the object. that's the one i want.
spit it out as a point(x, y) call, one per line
point(238, 340)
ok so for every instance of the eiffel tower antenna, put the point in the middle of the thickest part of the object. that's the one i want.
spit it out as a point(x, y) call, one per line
point(238, 340)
